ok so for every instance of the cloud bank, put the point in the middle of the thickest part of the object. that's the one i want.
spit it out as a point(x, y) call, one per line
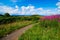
point(29, 10)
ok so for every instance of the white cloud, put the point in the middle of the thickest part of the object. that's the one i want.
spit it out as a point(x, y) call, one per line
point(16, 7)
point(6, 9)
point(58, 4)
point(29, 10)
point(58, 9)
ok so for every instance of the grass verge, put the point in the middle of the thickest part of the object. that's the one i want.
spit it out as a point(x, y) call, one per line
point(6, 29)
point(38, 32)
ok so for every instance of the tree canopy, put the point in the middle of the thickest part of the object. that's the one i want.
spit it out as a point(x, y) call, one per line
point(7, 14)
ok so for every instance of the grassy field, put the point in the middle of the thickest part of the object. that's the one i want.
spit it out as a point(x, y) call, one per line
point(9, 24)
point(46, 29)
point(6, 29)
point(38, 32)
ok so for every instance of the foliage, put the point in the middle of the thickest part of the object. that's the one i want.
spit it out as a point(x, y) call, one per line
point(4, 20)
point(7, 14)
point(9, 24)
point(46, 29)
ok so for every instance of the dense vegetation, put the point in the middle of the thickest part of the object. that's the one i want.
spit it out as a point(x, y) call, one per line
point(9, 19)
point(47, 27)
point(6, 29)
point(9, 23)
point(44, 30)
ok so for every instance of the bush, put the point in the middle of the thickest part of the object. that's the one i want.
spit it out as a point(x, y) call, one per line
point(6, 14)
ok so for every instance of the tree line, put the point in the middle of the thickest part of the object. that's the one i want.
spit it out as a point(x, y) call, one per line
point(7, 18)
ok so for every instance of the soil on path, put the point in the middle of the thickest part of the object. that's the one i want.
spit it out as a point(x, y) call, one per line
point(17, 33)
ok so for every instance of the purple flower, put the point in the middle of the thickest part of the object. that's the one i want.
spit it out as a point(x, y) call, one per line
point(50, 17)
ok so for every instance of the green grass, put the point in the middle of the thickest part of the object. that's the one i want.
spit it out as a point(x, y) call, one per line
point(38, 32)
point(6, 29)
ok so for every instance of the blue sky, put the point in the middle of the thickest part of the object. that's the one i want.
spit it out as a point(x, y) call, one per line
point(36, 3)
point(29, 7)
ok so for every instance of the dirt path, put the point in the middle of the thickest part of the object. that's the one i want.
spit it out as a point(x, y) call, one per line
point(16, 34)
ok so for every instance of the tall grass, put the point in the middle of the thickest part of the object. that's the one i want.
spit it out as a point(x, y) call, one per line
point(8, 28)
point(11, 23)
point(45, 30)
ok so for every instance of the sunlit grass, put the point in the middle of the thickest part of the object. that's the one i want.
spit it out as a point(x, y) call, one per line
point(38, 32)
point(8, 28)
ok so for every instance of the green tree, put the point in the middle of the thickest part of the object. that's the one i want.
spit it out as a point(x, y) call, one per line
point(7, 14)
